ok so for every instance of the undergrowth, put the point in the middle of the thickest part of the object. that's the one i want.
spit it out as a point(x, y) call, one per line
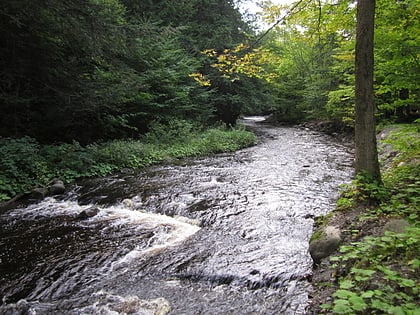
point(26, 164)
point(380, 274)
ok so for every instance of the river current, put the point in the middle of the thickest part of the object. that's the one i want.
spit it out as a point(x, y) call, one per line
point(226, 234)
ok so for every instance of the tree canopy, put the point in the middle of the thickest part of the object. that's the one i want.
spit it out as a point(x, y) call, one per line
point(105, 69)
point(101, 69)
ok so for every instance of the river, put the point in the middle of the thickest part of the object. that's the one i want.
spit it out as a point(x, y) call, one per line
point(226, 234)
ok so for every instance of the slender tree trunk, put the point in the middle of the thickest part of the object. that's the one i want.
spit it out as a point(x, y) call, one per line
point(365, 131)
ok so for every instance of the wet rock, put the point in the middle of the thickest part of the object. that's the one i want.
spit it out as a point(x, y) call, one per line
point(324, 243)
point(39, 193)
point(396, 226)
point(88, 213)
point(57, 187)
point(128, 203)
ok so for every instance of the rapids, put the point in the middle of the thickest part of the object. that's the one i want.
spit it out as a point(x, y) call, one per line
point(226, 234)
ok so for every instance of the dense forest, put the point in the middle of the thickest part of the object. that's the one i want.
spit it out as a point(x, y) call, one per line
point(89, 70)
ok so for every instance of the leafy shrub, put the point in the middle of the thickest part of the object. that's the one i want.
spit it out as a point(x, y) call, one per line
point(21, 166)
point(340, 104)
point(406, 140)
point(379, 275)
point(362, 190)
point(174, 131)
point(68, 161)
point(403, 185)
point(219, 140)
point(374, 283)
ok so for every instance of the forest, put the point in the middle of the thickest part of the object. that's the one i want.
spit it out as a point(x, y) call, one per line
point(106, 69)
point(92, 87)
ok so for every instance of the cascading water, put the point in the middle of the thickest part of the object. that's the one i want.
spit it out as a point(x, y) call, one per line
point(226, 234)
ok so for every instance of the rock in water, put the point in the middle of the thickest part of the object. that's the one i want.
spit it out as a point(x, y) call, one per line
point(88, 213)
point(57, 187)
point(39, 193)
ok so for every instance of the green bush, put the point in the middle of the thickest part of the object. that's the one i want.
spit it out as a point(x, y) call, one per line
point(375, 284)
point(362, 190)
point(406, 140)
point(174, 131)
point(68, 161)
point(21, 166)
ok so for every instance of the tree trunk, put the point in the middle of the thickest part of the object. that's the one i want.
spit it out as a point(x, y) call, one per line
point(365, 131)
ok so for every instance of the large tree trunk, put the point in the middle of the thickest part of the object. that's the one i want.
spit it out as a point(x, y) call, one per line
point(365, 131)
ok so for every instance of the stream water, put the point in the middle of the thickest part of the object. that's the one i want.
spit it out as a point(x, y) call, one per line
point(227, 234)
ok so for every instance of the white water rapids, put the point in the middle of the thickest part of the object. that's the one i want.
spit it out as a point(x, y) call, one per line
point(227, 234)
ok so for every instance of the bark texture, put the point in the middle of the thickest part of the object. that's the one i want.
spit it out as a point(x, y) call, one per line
point(365, 126)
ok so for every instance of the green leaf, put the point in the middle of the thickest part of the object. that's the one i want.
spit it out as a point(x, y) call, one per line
point(415, 263)
point(357, 303)
point(396, 310)
point(380, 305)
point(325, 306)
point(342, 307)
point(407, 283)
point(343, 294)
point(362, 274)
point(367, 294)
point(346, 284)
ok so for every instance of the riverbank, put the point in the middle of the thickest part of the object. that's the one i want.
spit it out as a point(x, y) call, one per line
point(336, 129)
point(376, 268)
point(26, 164)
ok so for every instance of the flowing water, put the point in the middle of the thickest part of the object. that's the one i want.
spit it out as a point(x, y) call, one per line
point(227, 234)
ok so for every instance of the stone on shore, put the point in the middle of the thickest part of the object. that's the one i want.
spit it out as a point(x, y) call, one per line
point(324, 243)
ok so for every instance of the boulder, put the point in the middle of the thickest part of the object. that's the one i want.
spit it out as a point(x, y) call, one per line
point(324, 243)
point(38, 193)
point(88, 213)
point(57, 187)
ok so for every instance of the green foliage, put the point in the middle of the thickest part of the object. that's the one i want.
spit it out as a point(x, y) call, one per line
point(219, 140)
point(98, 70)
point(403, 186)
point(379, 274)
point(20, 165)
point(340, 105)
point(397, 67)
point(362, 190)
point(26, 164)
point(374, 283)
point(176, 130)
point(402, 181)
point(316, 42)
point(406, 140)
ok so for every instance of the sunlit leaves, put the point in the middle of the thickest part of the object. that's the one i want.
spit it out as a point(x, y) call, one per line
point(251, 62)
point(200, 79)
